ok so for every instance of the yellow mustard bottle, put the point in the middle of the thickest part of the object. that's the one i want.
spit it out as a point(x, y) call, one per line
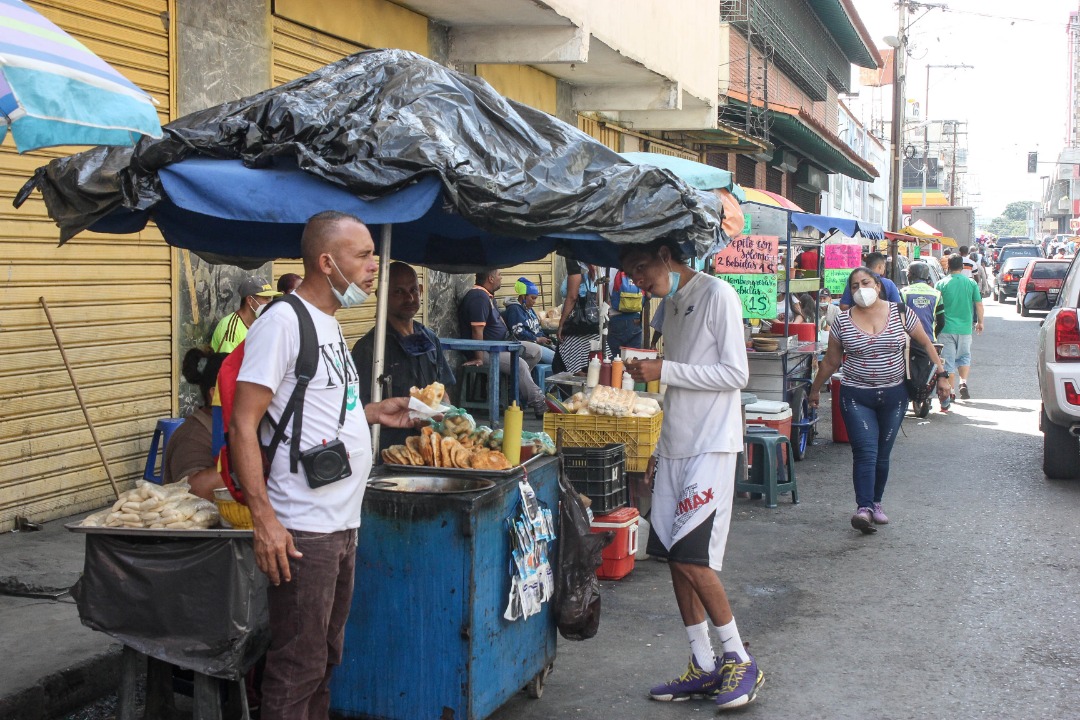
point(511, 446)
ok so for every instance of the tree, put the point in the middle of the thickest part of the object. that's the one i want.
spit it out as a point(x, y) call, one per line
point(1018, 210)
point(1014, 220)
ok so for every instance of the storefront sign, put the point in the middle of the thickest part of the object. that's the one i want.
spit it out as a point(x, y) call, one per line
point(749, 254)
point(757, 292)
point(842, 255)
point(836, 280)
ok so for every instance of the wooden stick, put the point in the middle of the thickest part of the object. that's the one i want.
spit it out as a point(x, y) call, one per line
point(78, 394)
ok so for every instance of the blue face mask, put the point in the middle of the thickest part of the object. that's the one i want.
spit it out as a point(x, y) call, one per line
point(352, 296)
point(675, 277)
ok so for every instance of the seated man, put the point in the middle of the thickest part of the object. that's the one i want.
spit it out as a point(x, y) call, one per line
point(524, 322)
point(413, 356)
point(255, 295)
point(479, 319)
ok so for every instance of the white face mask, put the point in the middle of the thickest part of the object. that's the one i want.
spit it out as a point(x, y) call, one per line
point(352, 296)
point(259, 307)
point(865, 297)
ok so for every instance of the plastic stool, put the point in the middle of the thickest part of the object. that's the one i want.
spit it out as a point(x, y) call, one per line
point(474, 389)
point(765, 468)
point(162, 433)
point(540, 373)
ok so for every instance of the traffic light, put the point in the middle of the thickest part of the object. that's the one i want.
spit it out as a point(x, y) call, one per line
point(1033, 162)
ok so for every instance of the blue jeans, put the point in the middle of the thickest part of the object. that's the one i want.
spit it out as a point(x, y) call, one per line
point(624, 330)
point(873, 418)
point(547, 355)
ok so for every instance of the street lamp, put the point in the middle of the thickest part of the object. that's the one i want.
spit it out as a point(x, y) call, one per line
point(926, 124)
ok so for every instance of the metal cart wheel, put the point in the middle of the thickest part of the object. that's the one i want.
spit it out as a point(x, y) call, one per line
point(803, 423)
point(921, 409)
point(535, 688)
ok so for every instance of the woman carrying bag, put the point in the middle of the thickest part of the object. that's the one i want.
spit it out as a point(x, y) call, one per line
point(579, 324)
point(871, 340)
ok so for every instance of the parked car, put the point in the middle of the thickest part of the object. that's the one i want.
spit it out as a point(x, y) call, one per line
point(1008, 277)
point(1040, 284)
point(1059, 382)
point(1015, 250)
point(936, 273)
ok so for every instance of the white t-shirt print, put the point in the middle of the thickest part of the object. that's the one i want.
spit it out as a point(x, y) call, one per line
point(270, 353)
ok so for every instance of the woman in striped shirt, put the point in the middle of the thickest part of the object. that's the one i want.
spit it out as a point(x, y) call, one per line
point(870, 340)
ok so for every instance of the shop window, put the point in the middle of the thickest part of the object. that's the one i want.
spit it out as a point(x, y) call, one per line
point(774, 180)
point(745, 168)
point(717, 159)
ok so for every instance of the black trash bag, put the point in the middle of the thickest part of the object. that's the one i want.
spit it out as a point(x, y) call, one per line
point(373, 123)
point(199, 604)
point(577, 589)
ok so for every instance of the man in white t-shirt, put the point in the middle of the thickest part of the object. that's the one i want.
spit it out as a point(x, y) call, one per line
point(305, 526)
point(693, 471)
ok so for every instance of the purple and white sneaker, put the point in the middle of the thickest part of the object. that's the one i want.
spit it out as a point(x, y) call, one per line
point(878, 515)
point(694, 684)
point(739, 681)
point(862, 520)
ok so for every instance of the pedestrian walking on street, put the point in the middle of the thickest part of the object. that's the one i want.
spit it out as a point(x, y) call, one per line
point(306, 526)
point(693, 470)
point(963, 301)
point(870, 340)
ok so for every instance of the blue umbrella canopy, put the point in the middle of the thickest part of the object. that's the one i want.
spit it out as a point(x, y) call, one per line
point(54, 91)
point(467, 177)
point(694, 174)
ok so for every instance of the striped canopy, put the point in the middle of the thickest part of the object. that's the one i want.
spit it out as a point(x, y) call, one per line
point(54, 91)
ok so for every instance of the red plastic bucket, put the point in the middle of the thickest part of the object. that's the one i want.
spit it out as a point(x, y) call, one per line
point(839, 429)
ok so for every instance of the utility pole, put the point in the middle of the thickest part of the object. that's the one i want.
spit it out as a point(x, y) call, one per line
point(952, 172)
point(896, 178)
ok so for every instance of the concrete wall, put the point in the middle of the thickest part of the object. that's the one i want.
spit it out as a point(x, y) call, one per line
point(223, 53)
point(678, 40)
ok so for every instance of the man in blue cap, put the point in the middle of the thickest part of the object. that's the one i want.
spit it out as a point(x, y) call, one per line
point(523, 321)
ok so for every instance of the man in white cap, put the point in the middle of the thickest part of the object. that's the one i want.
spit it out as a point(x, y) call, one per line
point(255, 294)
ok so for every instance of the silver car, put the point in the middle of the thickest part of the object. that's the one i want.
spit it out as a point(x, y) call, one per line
point(1059, 382)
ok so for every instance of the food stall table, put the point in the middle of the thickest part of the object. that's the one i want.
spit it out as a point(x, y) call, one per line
point(190, 598)
point(432, 581)
point(785, 376)
point(492, 348)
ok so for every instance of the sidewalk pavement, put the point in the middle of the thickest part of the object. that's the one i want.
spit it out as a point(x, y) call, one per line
point(54, 664)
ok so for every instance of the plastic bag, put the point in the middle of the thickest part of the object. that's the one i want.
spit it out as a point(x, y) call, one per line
point(577, 589)
point(541, 442)
point(455, 423)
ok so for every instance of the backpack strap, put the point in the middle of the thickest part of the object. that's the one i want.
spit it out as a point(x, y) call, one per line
point(307, 362)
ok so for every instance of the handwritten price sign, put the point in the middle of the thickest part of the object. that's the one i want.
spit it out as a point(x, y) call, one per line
point(757, 292)
point(843, 255)
point(836, 281)
point(749, 254)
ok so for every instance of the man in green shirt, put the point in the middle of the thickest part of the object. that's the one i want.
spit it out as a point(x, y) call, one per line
point(255, 294)
point(960, 295)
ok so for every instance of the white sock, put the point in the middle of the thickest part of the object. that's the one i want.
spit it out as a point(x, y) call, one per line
point(701, 646)
point(731, 642)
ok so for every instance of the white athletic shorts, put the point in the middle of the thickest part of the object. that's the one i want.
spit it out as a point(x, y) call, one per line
point(691, 508)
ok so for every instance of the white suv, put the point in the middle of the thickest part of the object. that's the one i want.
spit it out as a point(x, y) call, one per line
point(1059, 382)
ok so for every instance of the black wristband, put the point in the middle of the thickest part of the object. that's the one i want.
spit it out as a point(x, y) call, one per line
point(942, 375)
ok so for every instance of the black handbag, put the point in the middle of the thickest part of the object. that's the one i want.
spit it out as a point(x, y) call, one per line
point(584, 317)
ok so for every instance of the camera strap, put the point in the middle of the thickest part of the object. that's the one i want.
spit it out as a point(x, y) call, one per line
point(307, 362)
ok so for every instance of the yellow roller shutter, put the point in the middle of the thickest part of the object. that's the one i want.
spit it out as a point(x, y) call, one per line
point(111, 297)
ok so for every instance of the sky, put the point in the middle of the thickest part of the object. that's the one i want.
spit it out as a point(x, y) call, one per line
point(1015, 99)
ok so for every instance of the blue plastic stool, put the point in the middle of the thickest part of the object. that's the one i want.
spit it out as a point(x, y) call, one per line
point(162, 433)
point(540, 373)
point(767, 463)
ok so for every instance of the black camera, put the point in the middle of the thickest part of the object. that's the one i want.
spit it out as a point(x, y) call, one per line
point(326, 464)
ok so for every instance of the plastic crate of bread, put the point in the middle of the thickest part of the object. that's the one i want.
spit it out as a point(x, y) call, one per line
point(638, 434)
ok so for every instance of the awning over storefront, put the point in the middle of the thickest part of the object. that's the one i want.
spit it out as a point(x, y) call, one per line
point(914, 198)
point(796, 129)
point(825, 224)
point(847, 29)
point(910, 232)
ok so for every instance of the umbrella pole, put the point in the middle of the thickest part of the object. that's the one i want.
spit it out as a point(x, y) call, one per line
point(382, 298)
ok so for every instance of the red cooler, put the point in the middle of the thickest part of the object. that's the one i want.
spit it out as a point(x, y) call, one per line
point(770, 413)
point(839, 429)
point(619, 556)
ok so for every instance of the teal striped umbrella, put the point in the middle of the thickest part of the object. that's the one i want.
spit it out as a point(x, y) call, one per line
point(54, 91)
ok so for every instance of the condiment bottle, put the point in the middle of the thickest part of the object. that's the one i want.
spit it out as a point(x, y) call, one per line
point(592, 378)
point(627, 381)
point(605, 373)
point(653, 386)
point(616, 372)
point(511, 446)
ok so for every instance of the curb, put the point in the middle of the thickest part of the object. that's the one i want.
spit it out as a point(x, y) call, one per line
point(66, 690)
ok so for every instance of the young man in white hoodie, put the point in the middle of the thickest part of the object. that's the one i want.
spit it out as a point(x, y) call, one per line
point(693, 471)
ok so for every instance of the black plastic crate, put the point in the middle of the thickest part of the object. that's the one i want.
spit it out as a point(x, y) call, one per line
point(599, 473)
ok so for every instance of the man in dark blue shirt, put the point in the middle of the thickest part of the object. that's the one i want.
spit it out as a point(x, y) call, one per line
point(876, 262)
point(479, 319)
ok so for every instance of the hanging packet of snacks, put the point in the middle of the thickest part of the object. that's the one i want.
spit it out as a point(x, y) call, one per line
point(532, 578)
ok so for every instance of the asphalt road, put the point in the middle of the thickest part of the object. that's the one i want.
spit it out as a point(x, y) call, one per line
point(963, 607)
